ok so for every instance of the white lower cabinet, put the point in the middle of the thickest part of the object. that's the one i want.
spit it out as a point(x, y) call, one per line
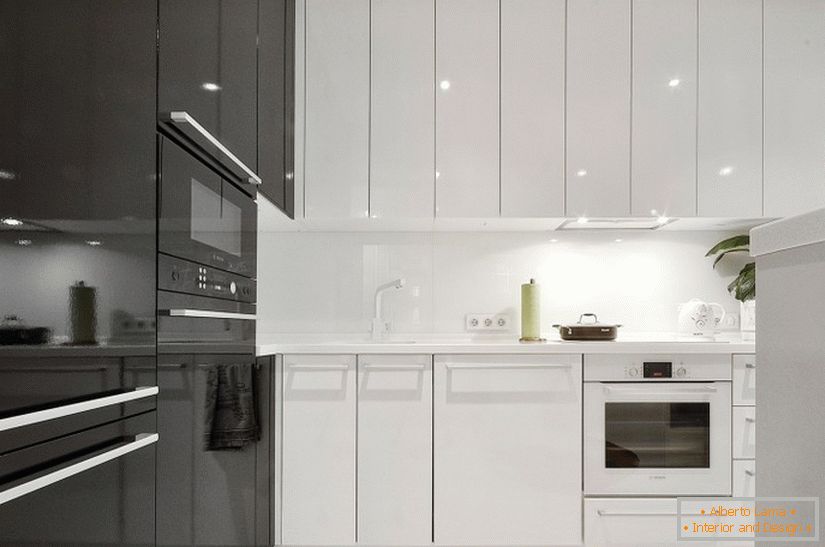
point(744, 478)
point(507, 450)
point(634, 522)
point(395, 449)
point(318, 484)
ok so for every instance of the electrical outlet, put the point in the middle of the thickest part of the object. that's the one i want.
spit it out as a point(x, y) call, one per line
point(487, 322)
point(730, 322)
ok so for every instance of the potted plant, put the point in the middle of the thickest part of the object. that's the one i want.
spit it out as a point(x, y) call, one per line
point(743, 286)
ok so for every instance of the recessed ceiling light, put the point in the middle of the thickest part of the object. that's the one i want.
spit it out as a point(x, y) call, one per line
point(94, 243)
point(674, 82)
point(662, 220)
point(618, 240)
point(582, 220)
point(444, 85)
point(581, 173)
point(8, 221)
point(24, 242)
point(725, 171)
point(210, 86)
point(554, 240)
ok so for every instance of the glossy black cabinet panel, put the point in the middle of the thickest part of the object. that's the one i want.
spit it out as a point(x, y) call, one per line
point(112, 503)
point(276, 82)
point(208, 68)
point(207, 497)
point(78, 164)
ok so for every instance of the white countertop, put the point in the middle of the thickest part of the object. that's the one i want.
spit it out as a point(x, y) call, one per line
point(658, 343)
point(787, 233)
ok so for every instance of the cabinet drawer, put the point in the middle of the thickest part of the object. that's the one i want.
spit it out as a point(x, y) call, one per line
point(744, 379)
point(627, 521)
point(744, 432)
point(744, 478)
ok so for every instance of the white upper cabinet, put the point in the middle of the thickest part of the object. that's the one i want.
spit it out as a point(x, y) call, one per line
point(729, 119)
point(336, 176)
point(794, 106)
point(663, 147)
point(467, 108)
point(402, 99)
point(598, 108)
point(532, 108)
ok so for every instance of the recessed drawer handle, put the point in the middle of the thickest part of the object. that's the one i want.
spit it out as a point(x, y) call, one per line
point(750, 366)
point(208, 314)
point(184, 119)
point(749, 473)
point(317, 367)
point(750, 420)
point(76, 408)
point(494, 366)
point(141, 440)
point(368, 366)
point(603, 513)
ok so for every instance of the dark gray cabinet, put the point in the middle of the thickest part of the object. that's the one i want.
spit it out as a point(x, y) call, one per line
point(209, 497)
point(208, 68)
point(276, 101)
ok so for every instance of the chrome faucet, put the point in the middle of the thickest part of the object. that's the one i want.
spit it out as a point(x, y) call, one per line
point(380, 328)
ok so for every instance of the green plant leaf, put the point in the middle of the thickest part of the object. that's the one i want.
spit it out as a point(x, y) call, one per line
point(723, 253)
point(730, 243)
point(743, 287)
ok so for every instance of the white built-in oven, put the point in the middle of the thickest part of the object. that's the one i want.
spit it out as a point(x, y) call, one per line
point(657, 425)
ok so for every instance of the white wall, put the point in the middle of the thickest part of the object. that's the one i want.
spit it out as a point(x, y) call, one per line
point(324, 282)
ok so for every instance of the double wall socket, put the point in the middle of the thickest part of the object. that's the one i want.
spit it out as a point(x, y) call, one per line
point(486, 322)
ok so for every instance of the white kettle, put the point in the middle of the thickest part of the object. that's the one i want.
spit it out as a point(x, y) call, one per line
point(699, 319)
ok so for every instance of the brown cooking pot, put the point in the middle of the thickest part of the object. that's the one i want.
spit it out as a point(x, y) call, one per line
point(588, 329)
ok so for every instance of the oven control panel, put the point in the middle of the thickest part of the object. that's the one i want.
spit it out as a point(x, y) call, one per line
point(187, 277)
point(657, 367)
point(657, 370)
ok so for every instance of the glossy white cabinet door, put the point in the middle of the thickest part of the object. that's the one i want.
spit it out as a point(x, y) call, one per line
point(634, 522)
point(744, 432)
point(744, 379)
point(663, 147)
point(598, 108)
point(318, 489)
point(794, 106)
point(507, 449)
point(337, 108)
point(467, 108)
point(744, 478)
point(532, 108)
point(729, 122)
point(402, 102)
point(395, 449)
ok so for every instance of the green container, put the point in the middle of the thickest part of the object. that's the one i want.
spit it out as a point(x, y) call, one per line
point(530, 312)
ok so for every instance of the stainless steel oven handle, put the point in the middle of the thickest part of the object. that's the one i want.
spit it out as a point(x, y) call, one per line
point(141, 440)
point(208, 314)
point(671, 391)
point(183, 118)
point(39, 416)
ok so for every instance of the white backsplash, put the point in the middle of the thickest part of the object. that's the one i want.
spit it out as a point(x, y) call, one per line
point(323, 282)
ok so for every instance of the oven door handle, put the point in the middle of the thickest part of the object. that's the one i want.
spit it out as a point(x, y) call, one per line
point(198, 133)
point(208, 314)
point(603, 513)
point(141, 440)
point(39, 416)
point(670, 391)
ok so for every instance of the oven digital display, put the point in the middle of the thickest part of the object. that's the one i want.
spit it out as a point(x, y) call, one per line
point(658, 370)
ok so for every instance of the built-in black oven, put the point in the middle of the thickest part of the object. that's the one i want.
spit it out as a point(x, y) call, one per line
point(205, 215)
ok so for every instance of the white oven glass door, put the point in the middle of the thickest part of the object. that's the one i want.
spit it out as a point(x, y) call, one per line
point(657, 438)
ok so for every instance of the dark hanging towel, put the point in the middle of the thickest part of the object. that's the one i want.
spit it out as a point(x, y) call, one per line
point(231, 418)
